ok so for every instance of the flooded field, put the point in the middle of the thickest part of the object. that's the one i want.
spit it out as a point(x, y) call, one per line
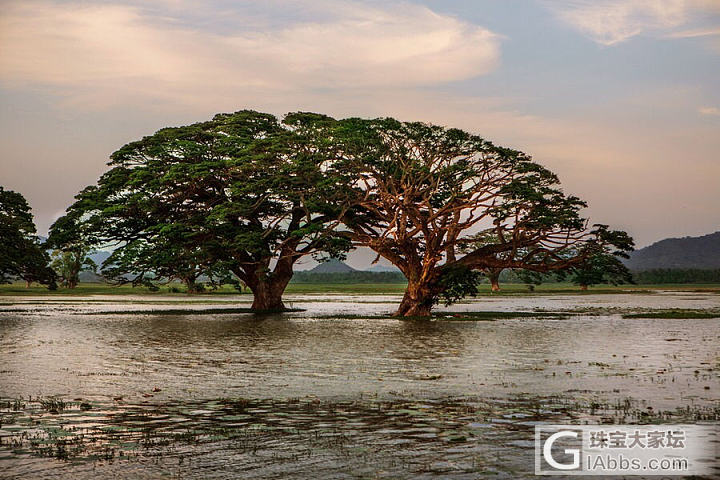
point(134, 387)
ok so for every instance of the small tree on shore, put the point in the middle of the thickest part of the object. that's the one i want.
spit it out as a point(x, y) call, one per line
point(72, 244)
point(68, 265)
point(597, 269)
point(481, 239)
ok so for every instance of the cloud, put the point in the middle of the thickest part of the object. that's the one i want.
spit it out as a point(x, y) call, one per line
point(609, 22)
point(710, 111)
point(709, 36)
point(106, 53)
point(703, 32)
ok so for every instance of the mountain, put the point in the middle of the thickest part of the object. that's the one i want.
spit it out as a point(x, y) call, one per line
point(332, 266)
point(688, 252)
point(382, 268)
point(98, 257)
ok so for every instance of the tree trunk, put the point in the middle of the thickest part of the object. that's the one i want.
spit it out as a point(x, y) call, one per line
point(267, 288)
point(267, 298)
point(417, 301)
point(494, 281)
point(27, 283)
point(190, 284)
point(583, 287)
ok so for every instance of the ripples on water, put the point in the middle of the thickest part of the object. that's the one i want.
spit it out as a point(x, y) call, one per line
point(310, 396)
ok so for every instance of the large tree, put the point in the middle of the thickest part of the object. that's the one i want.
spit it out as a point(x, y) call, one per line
point(21, 253)
point(242, 191)
point(422, 189)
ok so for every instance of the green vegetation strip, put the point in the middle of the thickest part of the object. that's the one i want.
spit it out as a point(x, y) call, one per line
point(674, 313)
point(187, 311)
point(458, 316)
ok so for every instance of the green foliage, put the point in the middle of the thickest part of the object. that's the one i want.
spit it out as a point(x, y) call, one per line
point(226, 198)
point(244, 196)
point(457, 282)
point(69, 263)
point(21, 253)
point(601, 268)
point(417, 192)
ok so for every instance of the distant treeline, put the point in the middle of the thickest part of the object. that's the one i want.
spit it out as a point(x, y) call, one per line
point(660, 275)
point(654, 276)
point(349, 277)
point(678, 275)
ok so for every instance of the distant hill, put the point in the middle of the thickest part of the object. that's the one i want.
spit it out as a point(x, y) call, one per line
point(98, 257)
point(382, 268)
point(332, 266)
point(673, 253)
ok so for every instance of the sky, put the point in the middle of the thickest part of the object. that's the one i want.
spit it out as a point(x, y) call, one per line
point(620, 98)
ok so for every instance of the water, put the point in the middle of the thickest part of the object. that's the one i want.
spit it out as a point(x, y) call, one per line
point(315, 394)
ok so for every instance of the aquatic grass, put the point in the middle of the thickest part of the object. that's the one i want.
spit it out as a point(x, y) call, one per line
point(53, 404)
point(191, 311)
point(487, 316)
point(410, 433)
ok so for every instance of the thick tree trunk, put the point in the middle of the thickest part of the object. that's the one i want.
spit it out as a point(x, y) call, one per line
point(417, 301)
point(268, 289)
point(265, 299)
point(27, 283)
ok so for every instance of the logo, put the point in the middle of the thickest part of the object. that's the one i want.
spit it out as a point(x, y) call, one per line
point(625, 449)
point(561, 449)
point(575, 452)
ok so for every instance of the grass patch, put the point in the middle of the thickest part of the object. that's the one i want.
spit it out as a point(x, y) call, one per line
point(97, 288)
point(497, 315)
point(487, 316)
point(674, 313)
point(189, 311)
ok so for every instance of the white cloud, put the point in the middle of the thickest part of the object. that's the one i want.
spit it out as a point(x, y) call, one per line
point(107, 53)
point(710, 111)
point(610, 22)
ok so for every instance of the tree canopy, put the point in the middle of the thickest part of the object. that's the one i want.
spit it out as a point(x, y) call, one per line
point(247, 194)
point(241, 193)
point(21, 253)
point(420, 190)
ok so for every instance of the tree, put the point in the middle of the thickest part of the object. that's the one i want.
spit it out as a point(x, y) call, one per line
point(165, 259)
point(422, 189)
point(68, 264)
point(493, 275)
point(34, 266)
point(21, 253)
point(242, 191)
point(72, 246)
point(597, 269)
point(481, 239)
